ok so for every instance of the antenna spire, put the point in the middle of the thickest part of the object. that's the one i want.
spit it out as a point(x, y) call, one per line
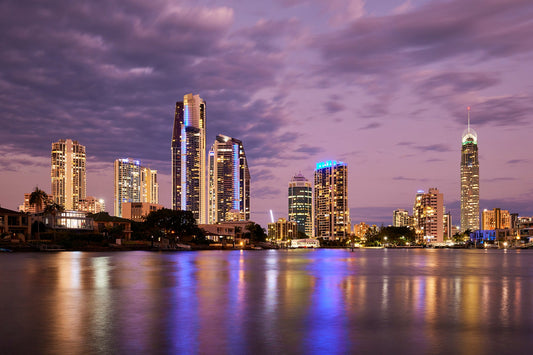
point(468, 108)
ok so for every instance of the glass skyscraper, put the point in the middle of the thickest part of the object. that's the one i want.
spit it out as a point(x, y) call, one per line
point(332, 214)
point(301, 203)
point(469, 179)
point(229, 181)
point(189, 157)
point(69, 184)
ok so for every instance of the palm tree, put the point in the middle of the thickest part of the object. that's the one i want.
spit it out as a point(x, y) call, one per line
point(54, 209)
point(38, 198)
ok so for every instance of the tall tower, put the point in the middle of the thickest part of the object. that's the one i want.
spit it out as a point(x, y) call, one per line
point(69, 184)
point(332, 214)
point(229, 181)
point(188, 157)
point(428, 213)
point(134, 183)
point(469, 179)
point(301, 203)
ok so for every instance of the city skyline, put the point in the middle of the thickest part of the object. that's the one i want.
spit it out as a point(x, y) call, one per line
point(297, 82)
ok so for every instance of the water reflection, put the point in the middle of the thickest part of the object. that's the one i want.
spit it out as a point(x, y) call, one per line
point(323, 301)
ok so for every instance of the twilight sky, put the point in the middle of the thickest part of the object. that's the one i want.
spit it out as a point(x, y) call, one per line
point(382, 85)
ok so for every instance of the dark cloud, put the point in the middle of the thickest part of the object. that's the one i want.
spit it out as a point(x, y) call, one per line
point(433, 32)
point(372, 125)
point(309, 150)
point(517, 161)
point(402, 178)
point(500, 179)
point(426, 148)
point(500, 111)
point(265, 192)
point(270, 35)
point(449, 84)
point(333, 106)
point(70, 72)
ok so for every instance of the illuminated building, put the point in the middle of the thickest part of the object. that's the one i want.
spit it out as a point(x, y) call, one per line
point(301, 203)
point(332, 216)
point(283, 230)
point(360, 229)
point(469, 179)
point(495, 219)
point(69, 183)
point(134, 183)
point(92, 205)
point(188, 157)
point(26, 207)
point(229, 181)
point(428, 213)
point(401, 218)
point(448, 225)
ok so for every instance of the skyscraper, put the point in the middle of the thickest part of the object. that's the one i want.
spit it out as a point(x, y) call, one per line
point(134, 183)
point(428, 213)
point(469, 179)
point(69, 184)
point(188, 157)
point(229, 181)
point(332, 214)
point(301, 203)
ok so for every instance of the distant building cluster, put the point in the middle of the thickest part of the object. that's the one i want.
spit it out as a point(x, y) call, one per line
point(215, 186)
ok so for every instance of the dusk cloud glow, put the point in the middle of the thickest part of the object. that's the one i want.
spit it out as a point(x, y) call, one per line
point(381, 85)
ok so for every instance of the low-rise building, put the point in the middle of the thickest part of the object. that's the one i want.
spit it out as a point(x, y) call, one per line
point(104, 223)
point(137, 211)
point(283, 230)
point(15, 223)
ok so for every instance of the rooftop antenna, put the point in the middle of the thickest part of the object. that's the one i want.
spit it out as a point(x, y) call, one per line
point(468, 108)
point(271, 216)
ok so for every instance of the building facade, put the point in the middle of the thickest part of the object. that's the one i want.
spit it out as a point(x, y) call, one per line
point(137, 211)
point(134, 183)
point(189, 157)
point(301, 203)
point(283, 230)
point(401, 218)
point(428, 214)
point(229, 181)
point(92, 205)
point(69, 184)
point(331, 211)
point(469, 179)
point(495, 219)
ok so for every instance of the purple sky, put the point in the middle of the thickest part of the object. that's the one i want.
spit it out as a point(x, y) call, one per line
point(380, 85)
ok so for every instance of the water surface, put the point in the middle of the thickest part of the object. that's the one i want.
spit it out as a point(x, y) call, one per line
point(267, 302)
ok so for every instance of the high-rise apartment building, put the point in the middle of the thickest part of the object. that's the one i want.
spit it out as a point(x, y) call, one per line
point(134, 183)
point(189, 157)
point(301, 203)
point(495, 219)
point(229, 181)
point(332, 214)
point(69, 184)
point(469, 179)
point(428, 213)
point(401, 218)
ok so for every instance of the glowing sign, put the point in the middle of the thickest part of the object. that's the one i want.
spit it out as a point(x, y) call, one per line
point(328, 164)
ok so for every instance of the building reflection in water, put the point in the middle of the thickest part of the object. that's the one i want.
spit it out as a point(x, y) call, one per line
point(300, 301)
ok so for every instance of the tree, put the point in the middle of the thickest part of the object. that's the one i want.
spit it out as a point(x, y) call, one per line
point(256, 233)
point(172, 224)
point(54, 209)
point(39, 199)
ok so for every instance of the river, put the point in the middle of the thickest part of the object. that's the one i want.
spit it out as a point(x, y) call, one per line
point(325, 301)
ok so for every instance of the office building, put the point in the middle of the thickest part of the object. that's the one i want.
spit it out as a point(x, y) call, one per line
point(189, 157)
point(301, 204)
point(469, 179)
point(134, 183)
point(332, 214)
point(69, 184)
point(495, 219)
point(428, 214)
point(229, 181)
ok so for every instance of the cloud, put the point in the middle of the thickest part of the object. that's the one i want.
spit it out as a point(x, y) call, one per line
point(402, 178)
point(333, 106)
point(478, 29)
point(372, 125)
point(441, 148)
point(517, 161)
